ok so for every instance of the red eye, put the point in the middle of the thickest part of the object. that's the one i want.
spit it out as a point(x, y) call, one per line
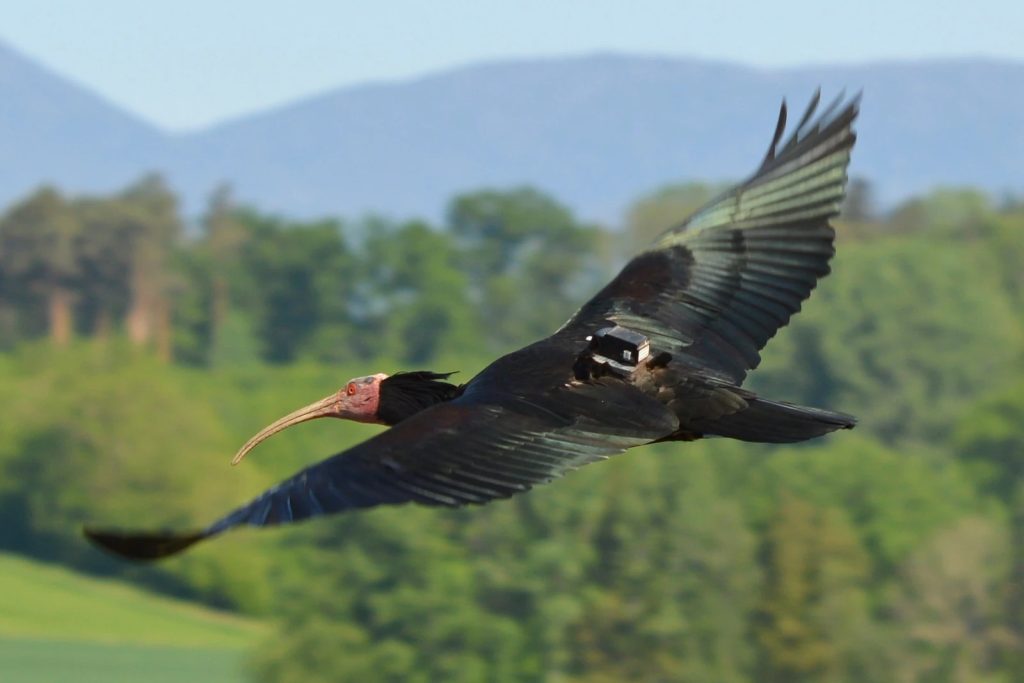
point(351, 389)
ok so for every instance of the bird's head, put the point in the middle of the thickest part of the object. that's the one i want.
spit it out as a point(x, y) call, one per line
point(357, 400)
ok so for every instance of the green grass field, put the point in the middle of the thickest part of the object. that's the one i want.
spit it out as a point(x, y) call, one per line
point(56, 625)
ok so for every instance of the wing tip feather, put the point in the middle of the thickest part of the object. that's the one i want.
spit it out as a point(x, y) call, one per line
point(143, 546)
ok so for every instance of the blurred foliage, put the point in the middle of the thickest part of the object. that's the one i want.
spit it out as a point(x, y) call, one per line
point(922, 321)
point(895, 553)
point(663, 209)
point(524, 254)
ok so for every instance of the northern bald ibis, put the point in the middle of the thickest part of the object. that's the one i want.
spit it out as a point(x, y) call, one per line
point(659, 354)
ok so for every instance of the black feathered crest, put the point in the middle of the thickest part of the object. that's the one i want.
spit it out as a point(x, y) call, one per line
point(404, 394)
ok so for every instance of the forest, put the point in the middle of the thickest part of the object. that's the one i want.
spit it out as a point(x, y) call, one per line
point(138, 350)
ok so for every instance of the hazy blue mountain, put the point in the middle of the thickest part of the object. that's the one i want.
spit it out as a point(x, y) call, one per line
point(595, 131)
point(53, 131)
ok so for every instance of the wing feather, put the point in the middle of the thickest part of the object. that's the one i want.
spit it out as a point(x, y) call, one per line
point(471, 450)
point(716, 288)
point(474, 453)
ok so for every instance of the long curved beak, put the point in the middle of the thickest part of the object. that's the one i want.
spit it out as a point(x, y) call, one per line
point(325, 407)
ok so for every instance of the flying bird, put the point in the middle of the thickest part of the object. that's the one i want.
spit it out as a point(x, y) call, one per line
point(659, 354)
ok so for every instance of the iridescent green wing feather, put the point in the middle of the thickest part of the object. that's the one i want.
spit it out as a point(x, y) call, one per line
point(716, 288)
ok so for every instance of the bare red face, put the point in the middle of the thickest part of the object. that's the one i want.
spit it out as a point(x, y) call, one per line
point(358, 400)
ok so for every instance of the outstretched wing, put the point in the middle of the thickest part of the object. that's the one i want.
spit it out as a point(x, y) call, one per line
point(716, 288)
point(471, 450)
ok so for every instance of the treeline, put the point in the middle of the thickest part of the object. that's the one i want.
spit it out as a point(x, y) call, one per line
point(245, 285)
point(892, 553)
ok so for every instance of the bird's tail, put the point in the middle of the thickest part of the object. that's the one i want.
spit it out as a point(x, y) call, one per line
point(767, 421)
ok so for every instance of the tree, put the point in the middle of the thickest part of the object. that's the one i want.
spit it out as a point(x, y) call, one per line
point(898, 497)
point(923, 322)
point(396, 603)
point(298, 278)
point(950, 604)
point(958, 212)
point(526, 258)
point(151, 226)
point(106, 263)
point(413, 296)
point(1003, 233)
point(813, 615)
point(859, 206)
point(224, 240)
point(38, 252)
point(669, 206)
point(670, 580)
point(990, 439)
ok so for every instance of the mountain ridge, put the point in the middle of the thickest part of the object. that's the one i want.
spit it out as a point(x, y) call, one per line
point(55, 130)
point(594, 130)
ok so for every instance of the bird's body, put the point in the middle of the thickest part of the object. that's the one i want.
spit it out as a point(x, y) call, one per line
point(659, 354)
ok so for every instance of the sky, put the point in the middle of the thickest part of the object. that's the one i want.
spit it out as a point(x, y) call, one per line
point(187, 64)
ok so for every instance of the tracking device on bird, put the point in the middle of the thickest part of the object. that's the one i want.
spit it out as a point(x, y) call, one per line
point(612, 350)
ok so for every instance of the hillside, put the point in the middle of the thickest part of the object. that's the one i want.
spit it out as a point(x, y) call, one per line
point(56, 624)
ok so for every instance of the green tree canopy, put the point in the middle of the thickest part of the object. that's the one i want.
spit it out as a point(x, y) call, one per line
point(38, 253)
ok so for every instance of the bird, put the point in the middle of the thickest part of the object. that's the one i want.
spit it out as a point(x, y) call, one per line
point(658, 355)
